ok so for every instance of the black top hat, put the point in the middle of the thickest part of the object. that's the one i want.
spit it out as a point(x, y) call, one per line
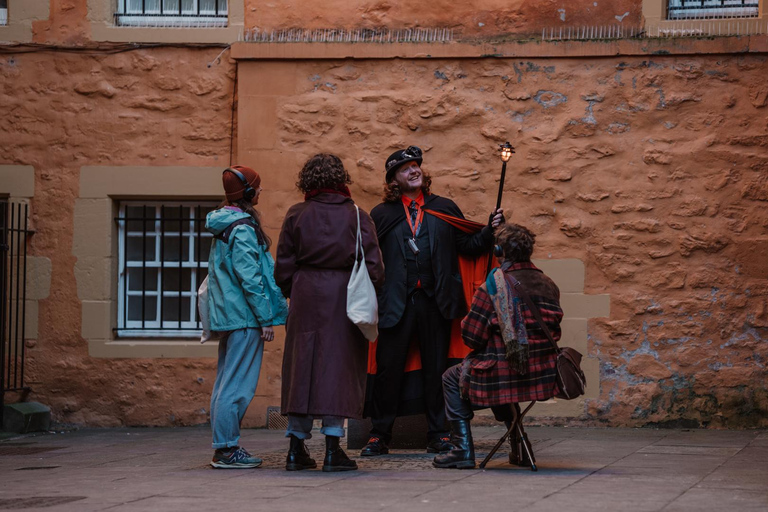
point(400, 157)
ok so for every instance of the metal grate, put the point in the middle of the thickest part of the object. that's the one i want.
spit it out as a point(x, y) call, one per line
point(275, 420)
point(711, 9)
point(14, 235)
point(37, 502)
point(163, 259)
point(171, 13)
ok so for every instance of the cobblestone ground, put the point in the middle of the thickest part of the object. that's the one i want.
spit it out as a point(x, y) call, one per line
point(579, 470)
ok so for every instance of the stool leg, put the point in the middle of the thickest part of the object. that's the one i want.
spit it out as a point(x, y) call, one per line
point(510, 431)
point(528, 449)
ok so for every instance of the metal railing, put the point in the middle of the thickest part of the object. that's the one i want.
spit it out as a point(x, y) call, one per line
point(171, 13)
point(14, 234)
point(711, 9)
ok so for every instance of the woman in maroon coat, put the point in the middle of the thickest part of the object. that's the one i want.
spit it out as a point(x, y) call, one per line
point(324, 364)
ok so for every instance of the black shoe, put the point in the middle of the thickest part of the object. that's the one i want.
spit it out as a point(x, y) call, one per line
point(335, 458)
point(440, 445)
point(463, 455)
point(376, 446)
point(298, 456)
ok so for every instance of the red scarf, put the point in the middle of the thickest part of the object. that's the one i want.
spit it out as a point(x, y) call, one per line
point(340, 189)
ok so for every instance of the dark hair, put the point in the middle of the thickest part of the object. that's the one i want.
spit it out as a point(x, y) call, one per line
point(516, 241)
point(322, 171)
point(248, 208)
point(392, 192)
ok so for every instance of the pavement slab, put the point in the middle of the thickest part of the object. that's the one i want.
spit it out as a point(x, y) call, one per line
point(579, 469)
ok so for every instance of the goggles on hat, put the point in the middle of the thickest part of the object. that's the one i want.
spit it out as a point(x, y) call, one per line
point(408, 153)
point(412, 152)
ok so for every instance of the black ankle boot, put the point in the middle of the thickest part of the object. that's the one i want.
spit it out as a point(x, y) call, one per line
point(335, 458)
point(463, 456)
point(518, 456)
point(298, 456)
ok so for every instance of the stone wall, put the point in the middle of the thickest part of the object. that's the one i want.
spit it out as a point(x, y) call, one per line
point(480, 18)
point(652, 170)
point(62, 112)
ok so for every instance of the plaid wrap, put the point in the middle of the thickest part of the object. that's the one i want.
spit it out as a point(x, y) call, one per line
point(487, 378)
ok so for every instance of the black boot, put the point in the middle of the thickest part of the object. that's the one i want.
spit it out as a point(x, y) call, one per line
point(463, 456)
point(518, 456)
point(335, 458)
point(298, 456)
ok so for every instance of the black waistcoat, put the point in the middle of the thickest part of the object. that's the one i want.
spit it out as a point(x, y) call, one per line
point(419, 266)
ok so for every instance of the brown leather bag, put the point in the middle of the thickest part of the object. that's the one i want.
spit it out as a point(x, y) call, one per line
point(571, 382)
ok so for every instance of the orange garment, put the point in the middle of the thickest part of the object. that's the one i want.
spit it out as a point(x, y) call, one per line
point(473, 273)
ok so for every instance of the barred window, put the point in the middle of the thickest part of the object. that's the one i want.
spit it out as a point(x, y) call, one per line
point(171, 13)
point(163, 258)
point(711, 9)
point(3, 12)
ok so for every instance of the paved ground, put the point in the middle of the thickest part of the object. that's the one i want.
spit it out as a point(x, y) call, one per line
point(579, 470)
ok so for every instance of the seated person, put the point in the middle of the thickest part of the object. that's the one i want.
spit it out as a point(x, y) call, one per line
point(512, 360)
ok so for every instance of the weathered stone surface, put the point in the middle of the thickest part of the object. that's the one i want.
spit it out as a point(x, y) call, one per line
point(659, 188)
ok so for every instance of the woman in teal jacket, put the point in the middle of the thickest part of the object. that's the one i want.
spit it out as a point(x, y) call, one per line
point(244, 305)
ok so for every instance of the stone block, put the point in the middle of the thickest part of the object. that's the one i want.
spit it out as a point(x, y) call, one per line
point(26, 417)
point(409, 432)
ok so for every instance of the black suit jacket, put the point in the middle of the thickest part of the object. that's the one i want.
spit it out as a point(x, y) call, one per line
point(445, 243)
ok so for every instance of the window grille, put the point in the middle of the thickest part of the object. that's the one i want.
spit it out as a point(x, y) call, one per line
point(171, 13)
point(163, 258)
point(711, 9)
point(3, 12)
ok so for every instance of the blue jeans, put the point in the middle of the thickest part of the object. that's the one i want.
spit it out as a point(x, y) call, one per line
point(300, 425)
point(237, 374)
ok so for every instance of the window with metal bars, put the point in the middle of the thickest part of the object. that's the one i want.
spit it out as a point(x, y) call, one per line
point(711, 9)
point(163, 258)
point(3, 12)
point(171, 13)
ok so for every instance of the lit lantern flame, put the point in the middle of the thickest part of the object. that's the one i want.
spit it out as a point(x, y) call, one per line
point(505, 151)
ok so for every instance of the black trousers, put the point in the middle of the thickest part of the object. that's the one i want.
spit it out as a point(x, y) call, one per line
point(458, 408)
point(421, 317)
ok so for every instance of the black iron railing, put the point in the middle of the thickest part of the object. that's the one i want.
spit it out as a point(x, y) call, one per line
point(711, 9)
point(14, 234)
point(171, 13)
point(163, 260)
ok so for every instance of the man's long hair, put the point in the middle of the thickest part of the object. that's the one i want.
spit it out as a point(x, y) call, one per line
point(392, 192)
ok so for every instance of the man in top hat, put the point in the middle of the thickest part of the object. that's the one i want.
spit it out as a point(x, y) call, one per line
point(422, 294)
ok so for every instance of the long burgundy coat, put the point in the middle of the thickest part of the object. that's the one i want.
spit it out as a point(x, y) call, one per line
point(325, 358)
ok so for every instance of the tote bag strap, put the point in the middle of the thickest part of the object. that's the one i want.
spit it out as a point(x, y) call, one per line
point(535, 310)
point(359, 238)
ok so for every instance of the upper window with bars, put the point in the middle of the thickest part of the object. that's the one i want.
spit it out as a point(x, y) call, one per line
point(171, 13)
point(3, 12)
point(711, 9)
point(163, 259)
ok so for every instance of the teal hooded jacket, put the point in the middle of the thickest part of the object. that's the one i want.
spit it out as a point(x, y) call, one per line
point(241, 283)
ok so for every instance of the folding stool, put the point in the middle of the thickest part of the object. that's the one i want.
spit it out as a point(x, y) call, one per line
point(515, 427)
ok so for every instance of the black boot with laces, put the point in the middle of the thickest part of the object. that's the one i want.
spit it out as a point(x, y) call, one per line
point(298, 456)
point(335, 458)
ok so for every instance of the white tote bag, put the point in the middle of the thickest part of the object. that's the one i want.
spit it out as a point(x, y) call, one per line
point(362, 306)
point(202, 307)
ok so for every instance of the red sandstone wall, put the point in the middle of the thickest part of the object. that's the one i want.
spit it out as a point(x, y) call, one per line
point(61, 112)
point(479, 18)
point(653, 172)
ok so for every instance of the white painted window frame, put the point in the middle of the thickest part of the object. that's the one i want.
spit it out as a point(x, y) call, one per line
point(159, 328)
